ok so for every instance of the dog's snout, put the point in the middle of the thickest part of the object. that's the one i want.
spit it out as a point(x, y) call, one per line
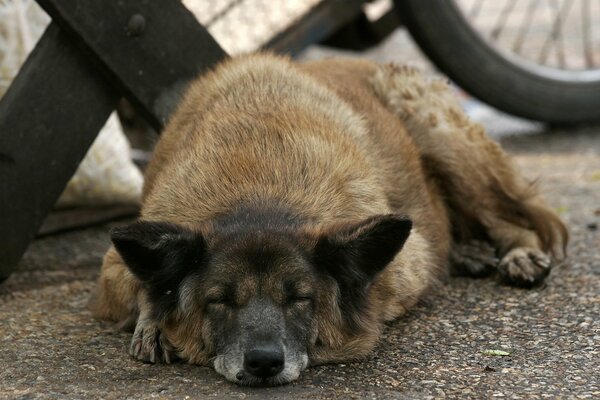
point(264, 362)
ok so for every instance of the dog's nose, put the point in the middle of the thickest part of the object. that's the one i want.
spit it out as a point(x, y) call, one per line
point(264, 363)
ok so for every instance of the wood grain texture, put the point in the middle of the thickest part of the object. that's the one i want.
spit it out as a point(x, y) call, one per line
point(92, 54)
point(48, 119)
point(148, 49)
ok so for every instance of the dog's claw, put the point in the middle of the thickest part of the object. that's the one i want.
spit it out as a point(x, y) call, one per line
point(168, 351)
point(524, 267)
point(149, 344)
point(136, 348)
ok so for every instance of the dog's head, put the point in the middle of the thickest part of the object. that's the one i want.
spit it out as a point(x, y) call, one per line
point(257, 300)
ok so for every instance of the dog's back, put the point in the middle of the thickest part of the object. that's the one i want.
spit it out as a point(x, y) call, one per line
point(313, 137)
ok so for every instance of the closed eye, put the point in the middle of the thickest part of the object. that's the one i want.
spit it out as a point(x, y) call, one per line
point(297, 293)
point(219, 301)
point(295, 299)
point(220, 295)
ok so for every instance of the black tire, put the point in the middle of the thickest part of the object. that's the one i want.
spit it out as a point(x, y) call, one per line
point(444, 35)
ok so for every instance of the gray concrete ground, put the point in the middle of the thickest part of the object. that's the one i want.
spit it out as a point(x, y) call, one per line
point(51, 347)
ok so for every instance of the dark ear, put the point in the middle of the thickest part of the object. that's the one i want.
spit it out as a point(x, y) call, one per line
point(355, 253)
point(161, 255)
point(154, 250)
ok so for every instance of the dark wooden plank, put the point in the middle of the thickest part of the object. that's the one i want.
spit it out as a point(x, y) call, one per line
point(320, 22)
point(49, 117)
point(64, 220)
point(149, 49)
point(362, 34)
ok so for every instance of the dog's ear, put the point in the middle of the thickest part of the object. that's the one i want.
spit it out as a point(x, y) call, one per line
point(355, 253)
point(160, 255)
point(154, 249)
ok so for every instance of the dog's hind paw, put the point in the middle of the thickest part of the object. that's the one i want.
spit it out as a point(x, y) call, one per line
point(150, 345)
point(525, 267)
point(475, 258)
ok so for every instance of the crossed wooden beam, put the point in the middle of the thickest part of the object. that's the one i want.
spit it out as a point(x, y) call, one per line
point(93, 53)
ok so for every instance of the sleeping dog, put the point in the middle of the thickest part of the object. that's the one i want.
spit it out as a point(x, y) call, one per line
point(290, 210)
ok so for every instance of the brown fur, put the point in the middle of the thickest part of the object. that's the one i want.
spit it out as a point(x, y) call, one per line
point(336, 142)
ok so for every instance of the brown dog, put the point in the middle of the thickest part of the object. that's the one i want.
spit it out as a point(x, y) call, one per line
point(290, 210)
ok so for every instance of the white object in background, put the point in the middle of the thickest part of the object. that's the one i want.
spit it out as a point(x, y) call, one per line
point(106, 175)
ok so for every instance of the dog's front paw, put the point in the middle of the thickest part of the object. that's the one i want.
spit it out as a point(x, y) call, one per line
point(150, 345)
point(524, 267)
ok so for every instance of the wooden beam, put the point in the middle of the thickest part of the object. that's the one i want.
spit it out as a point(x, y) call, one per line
point(317, 24)
point(148, 49)
point(49, 117)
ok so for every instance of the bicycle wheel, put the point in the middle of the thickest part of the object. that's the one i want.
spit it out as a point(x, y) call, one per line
point(504, 78)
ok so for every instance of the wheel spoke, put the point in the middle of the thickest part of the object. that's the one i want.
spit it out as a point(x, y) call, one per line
point(587, 41)
point(501, 22)
point(549, 33)
point(547, 43)
point(557, 33)
point(474, 12)
point(221, 14)
point(524, 29)
point(555, 36)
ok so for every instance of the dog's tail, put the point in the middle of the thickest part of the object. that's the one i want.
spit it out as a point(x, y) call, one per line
point(482, 190)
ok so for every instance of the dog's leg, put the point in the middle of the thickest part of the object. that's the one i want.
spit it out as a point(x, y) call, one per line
point(475, 258)
point(485, 196)
point(148, 343)
point(121, 299)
